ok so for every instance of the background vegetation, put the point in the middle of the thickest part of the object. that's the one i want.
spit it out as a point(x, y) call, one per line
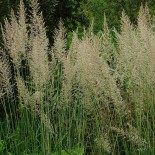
point(80, 13)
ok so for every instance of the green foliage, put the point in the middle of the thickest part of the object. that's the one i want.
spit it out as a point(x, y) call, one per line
point(113, 10)
point(75, 151)
point(79, 13)
point(2, 146)
point(94, 10)
point(75, 16)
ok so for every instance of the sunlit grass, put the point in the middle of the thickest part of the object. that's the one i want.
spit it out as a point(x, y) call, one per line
point(94, 97)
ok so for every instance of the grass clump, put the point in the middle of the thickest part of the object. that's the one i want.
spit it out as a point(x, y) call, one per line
point(95, 97)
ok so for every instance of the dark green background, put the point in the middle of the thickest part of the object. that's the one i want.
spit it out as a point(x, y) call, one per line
point(78, 13)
